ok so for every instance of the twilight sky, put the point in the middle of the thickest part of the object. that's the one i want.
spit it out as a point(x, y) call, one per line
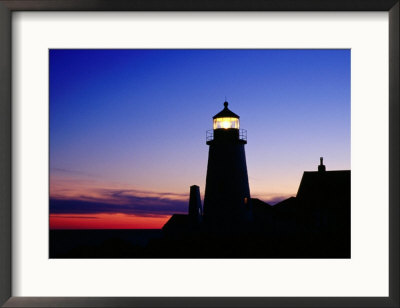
point(128, 127)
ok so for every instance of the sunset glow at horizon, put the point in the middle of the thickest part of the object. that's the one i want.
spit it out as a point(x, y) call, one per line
point(105, 221)
point(128, 127)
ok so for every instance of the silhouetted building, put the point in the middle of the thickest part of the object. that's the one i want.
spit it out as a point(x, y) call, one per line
point(324, 200)
point(227, 194)
point(315, 223)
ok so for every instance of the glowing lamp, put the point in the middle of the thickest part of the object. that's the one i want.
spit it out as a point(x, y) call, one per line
point(226, 123)
point(226, 119)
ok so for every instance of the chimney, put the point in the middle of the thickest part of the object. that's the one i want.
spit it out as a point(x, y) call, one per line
point(321, 167)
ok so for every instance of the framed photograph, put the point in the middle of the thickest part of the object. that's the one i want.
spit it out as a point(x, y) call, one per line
point(239, 213)
point(166, 154)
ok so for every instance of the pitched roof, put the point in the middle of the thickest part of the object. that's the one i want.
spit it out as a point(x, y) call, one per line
point(176, 222)
point(226, 113)
point(329, 186)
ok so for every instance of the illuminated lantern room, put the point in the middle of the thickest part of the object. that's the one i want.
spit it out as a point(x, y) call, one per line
point(226, 128)
point(226, 119)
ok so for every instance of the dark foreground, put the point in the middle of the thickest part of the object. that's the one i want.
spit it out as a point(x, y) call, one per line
point(314, 224)
point(154, 244)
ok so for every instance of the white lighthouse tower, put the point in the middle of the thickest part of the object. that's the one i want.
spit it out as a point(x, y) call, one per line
point(227, 195)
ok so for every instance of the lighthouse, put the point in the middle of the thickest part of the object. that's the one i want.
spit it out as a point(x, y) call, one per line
point(227, 203)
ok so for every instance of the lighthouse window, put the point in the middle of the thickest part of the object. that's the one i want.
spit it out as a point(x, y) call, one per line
point(226, 123)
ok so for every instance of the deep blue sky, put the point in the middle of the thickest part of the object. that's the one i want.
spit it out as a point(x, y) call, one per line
point(137, 118)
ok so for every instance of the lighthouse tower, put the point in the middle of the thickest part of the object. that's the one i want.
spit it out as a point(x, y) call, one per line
point(227, 195)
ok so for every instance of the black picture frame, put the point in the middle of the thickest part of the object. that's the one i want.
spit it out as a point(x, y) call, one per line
point(6, 9)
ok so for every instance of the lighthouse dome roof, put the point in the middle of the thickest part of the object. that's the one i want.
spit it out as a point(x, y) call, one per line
point(226, 113)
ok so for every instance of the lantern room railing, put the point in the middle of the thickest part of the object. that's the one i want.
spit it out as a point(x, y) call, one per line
point(242, 134)
point(210, 135)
